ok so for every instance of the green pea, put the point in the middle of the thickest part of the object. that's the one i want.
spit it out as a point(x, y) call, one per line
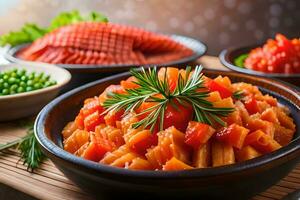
point(20, 73)
point(23, 78)
point(36, 79)
point(32, 74)
point(5, 85)
point(28, 89)
point(22, 84)
point(41, 75)
point(20, 89)
point(29, 82)
point(23, 71)
point(37, 86)
point(1, 80)
point(12, 92)
point(14, 74)
point(31, 77)
point(47, 84)
point(47, 77)
point(12, 80)
point(5, 77)
point(14, 87)
point(5, 91)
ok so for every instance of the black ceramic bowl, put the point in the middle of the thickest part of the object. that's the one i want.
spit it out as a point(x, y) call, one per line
point(228, 56)
point(237, 181)
point(86, 73)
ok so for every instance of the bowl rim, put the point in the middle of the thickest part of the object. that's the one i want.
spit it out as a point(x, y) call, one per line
point(65, 73)
point(224, 57)
point(10, 56)
point(58, 152)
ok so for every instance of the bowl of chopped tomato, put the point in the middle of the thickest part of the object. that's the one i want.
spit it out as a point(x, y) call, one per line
point(172, 132)
point(277, 58)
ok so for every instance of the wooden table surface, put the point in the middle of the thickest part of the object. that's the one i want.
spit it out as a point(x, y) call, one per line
point(49, 183)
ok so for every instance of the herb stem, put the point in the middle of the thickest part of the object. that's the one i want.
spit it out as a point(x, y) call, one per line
point(13, 143)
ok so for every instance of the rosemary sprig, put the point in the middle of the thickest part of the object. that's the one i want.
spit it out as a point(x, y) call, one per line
point(152, 89)
point(238, 95)
point(31, 153)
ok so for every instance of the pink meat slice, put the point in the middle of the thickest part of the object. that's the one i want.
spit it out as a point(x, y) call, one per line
point(104, 43)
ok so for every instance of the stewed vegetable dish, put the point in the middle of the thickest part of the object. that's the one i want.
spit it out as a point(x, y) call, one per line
point(280, 55)
point(176, 119)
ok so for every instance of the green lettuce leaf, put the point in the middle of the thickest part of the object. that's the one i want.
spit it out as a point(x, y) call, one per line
point(240, 60)
point(31, 32)
point(28, 33)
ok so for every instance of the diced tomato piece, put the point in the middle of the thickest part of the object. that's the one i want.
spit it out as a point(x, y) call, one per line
point(214, 86)
point(144, 106)
point(233, 135)
point(172, 76)
point(251, 105)
point(93, 120)
point(112, 117)
point(261, 142)
point(111, 89)
point(79, 121)
point(198, 133)
point(178, 116)
point(91, 106)
point(129, 83)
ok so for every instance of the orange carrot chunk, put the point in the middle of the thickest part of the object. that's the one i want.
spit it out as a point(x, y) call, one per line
point(198, 133)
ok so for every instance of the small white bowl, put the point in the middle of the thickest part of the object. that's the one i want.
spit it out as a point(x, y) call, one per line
point(25, 104)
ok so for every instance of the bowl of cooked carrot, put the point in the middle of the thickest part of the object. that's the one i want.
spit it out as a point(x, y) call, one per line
point(173, 132)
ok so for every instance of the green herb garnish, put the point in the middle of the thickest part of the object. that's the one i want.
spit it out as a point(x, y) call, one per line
point(238, 95)
point(240, 60)
point(30, 32)
point(186, 92)
point(30, 151)
point(66, 18)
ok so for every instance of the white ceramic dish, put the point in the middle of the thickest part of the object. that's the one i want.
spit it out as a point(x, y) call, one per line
point(29, 103)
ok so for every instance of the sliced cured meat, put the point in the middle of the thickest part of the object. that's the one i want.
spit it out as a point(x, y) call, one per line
point(103, 43)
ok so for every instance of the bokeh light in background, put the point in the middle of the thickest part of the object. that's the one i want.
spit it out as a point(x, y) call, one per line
point(219, 24)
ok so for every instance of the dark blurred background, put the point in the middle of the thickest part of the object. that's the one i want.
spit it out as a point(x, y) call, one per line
point(219, 24)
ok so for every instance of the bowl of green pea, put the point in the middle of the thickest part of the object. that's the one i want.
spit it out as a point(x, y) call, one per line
point(25, 88)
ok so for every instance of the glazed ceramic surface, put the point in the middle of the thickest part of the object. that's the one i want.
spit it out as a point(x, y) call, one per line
point(237, 181)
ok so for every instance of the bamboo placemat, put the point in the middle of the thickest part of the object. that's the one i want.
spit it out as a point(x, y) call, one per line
point(49, 183)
